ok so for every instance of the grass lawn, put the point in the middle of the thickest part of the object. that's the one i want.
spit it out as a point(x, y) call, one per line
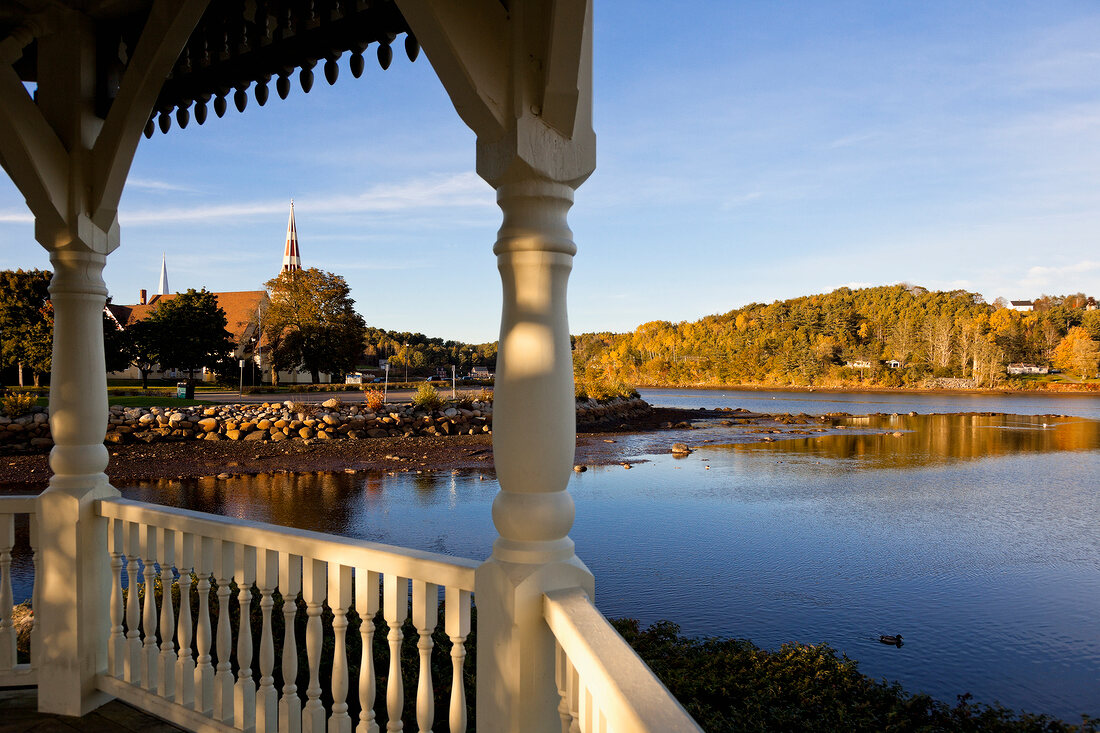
point(142, 401)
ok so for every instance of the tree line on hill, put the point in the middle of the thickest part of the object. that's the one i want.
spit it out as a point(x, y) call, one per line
point(888, 336)
point(310, 324)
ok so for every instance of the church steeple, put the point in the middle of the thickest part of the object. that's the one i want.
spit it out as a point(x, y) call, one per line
point(292, 261)
point(162, 289)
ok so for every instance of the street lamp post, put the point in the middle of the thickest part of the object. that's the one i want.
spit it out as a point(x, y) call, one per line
point(406, 360)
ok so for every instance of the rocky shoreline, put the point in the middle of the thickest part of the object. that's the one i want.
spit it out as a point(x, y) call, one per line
point(275, 422)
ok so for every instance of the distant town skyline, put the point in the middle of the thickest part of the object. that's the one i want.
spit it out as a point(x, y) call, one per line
point(751, 152)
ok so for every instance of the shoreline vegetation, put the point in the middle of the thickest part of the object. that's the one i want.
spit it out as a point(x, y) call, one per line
point(899, 336)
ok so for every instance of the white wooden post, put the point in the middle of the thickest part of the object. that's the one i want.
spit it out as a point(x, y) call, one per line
point(521, 78)
point(70, 167)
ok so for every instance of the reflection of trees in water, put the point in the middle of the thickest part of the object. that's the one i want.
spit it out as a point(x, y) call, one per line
point(943, 438)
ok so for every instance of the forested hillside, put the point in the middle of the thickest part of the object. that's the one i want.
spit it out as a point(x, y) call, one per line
point(816, 340)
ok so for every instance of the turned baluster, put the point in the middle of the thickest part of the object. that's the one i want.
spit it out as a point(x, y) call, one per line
point(561, 679)
point(166, 687)
point(366, 605)
point(185, 662)
point(339, 598)
point(132, 548)
point(290, 584)
point(395, 609)
point(223, 677)
point(204, 671)
point(244, 694)
point(150, 652)
point(267, 699)
point(457, 626)
point(116, 645)
point(7, 628)
point(425, 617)
point(314, 585)
point(36, 589)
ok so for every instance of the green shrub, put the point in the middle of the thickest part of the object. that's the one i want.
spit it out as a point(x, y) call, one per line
point(732, 685)
point(18, 403)
point(427, 398)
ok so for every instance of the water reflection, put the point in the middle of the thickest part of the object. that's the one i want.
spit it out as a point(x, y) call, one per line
point(911, 441)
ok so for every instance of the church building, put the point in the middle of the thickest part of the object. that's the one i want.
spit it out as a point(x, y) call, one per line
point(244, 311)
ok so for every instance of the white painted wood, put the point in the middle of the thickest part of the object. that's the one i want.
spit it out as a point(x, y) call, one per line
point(429, 566)
point(395, 609)
point(204, 668)
point(290, 585)
point(185, 662)
point(614, 682)
point(175, 713)
point(366, 605)
point(562, 671)
point(150, 654)
point(116, 646)
point(339, 599)
point(457, 626)
point(7, 628)
point(244, 692)
point(166, 682)
point(425, 602)
point(36, 591)
point(132, 538)
point(267, 698)
point(223, 676)
point(314, 586)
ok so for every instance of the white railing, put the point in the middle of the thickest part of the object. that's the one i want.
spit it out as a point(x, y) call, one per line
point(187, 682)
point(12, 671)
point(603, 685)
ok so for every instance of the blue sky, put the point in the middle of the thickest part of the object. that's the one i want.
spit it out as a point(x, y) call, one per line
point(747, 151)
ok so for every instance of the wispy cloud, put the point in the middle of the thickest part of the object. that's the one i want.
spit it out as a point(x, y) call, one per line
point(12, 217)
point(465, 190)
point(1041, 275)
point(148, 184)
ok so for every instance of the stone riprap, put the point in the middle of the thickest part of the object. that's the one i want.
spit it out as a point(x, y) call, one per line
point(275, 422)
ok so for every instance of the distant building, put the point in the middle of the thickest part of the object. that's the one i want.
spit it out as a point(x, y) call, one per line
point(1021, 305)
point(1016, 369)
point(480, 372)
point(893, 364)
point(858, 364)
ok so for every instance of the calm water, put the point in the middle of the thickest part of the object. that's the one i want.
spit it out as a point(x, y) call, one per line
point(862, 403)
point(974, 537)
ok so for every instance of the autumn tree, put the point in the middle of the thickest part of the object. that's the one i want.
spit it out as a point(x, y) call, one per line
point(1078, 353)
point(26, 321)
point(311, 323)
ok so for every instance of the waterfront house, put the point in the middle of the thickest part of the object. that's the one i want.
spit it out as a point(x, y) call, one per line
point(1017, 369)
point(858, 364)
point(1021, 305)
point(519, 74)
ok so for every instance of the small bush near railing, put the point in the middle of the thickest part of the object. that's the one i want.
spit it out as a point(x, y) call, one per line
point(15, 404)
point(427, 398)
point(375, 400)
point(732, 685)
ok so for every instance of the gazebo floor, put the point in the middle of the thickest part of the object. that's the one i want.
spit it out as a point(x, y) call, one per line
point(19, 713)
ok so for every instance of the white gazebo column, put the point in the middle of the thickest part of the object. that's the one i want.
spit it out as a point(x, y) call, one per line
point(71, 165)
point(73, 613)
point(534, 436)
point(520, 76)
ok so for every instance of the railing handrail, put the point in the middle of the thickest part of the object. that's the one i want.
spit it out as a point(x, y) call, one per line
point(624, 686)
point(387, 559)
point(19, 504)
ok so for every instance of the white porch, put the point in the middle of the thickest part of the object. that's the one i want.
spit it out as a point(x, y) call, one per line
point(519, 75)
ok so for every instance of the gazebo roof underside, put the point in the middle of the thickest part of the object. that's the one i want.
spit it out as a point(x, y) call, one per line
point(237, 44)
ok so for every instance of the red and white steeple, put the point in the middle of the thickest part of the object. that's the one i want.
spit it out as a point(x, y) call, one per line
point(292, 261)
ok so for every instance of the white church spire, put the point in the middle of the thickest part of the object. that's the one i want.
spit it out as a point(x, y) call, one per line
point(163, 288)
point(292, 261)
